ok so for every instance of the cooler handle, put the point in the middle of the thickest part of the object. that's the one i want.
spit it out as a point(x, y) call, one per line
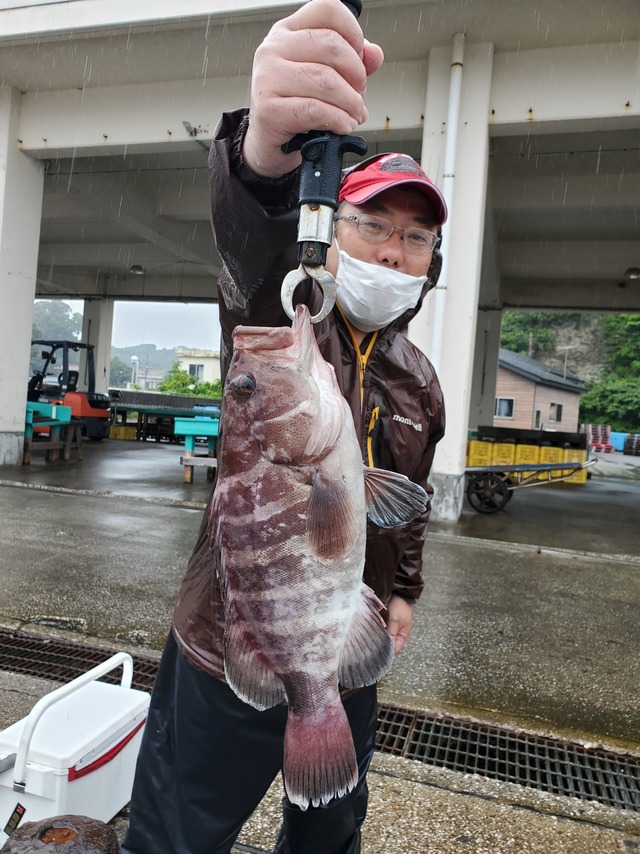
point(120, 658)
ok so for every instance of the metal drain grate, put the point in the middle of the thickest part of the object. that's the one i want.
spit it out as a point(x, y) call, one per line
point(61, 660)
point(551, 765)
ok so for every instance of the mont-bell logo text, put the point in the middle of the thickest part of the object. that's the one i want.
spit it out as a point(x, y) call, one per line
point(408, 421)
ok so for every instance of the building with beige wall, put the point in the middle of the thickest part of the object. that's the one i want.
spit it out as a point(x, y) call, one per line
point(203, 365)
point(533, 396)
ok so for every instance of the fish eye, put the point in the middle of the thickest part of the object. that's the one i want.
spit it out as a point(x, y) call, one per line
point(243, 385)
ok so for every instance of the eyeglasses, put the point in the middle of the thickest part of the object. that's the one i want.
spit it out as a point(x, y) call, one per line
point(376, 230)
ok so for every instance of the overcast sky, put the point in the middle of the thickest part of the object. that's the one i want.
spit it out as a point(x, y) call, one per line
point(167, 325)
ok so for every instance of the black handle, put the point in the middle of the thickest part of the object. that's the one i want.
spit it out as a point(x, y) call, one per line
point(354, 6)
point(321, 172)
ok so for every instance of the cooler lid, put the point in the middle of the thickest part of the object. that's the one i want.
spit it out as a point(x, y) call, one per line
point(79, 723)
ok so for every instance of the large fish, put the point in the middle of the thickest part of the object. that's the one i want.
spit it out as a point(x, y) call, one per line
point(289, 515)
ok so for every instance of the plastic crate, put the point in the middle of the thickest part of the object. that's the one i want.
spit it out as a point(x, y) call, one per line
point(575, 455)
point(527, 454)
point(504, 454)
point(550, 454)
point(479, 453)
point(119, 432)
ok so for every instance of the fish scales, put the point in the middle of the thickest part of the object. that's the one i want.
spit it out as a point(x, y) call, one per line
point(289, 518)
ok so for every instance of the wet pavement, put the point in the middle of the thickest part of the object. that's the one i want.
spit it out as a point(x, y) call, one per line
point(529, 619)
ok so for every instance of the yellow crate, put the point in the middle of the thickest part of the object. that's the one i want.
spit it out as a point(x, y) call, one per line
point(550, 454)
point(479, 453)
point(576, 455)
point(119, 432)
point(504, 454)
point(527, 454)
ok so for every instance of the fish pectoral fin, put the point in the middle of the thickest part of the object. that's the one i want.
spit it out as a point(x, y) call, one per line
point(392, 499)
point(248, 674)
point(332, 523)
point(368, 650)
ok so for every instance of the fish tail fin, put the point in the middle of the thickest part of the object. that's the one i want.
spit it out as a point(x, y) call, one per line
point(319, 756)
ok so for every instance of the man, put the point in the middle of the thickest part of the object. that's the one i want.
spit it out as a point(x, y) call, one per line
point(208, 758)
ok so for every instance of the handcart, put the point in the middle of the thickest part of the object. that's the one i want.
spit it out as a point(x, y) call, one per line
point(490, 488)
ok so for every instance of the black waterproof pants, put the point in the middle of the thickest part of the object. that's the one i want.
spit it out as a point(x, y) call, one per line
point(207, 760)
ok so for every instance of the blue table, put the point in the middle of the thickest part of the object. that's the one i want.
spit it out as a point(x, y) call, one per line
point(199, 426)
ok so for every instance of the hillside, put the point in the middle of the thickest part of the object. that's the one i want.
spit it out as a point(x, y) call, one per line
point(149, 355)
point(583, 337)
point(558, 339)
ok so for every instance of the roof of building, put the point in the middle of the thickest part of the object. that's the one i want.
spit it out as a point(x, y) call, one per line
point(539, 372)
point(191, 353)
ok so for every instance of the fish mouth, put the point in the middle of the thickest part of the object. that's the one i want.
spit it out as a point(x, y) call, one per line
point(285, 343)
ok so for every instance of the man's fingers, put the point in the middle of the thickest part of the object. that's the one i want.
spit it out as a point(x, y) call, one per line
point(310, 73)
point(372, 57)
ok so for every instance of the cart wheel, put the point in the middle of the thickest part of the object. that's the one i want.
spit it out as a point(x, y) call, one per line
point(487, 493)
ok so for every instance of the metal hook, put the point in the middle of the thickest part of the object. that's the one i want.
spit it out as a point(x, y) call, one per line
point(324, 279)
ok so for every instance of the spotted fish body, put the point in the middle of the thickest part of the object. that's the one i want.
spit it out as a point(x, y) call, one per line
point(289, 516)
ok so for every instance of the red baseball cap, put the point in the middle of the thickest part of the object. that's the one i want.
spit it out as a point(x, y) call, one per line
point(383, 171)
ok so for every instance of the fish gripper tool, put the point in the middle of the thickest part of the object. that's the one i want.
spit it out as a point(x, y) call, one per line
point(320, 179)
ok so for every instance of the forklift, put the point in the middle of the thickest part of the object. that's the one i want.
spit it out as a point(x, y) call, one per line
point(46, 386)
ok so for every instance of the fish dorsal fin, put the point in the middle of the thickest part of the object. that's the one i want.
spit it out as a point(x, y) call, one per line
point(332, 523)
point(392, 499)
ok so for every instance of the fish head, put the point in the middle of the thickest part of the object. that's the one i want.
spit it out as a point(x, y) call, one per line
point(280, 395)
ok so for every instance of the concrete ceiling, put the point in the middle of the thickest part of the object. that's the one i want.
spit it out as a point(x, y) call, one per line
point(566, 207)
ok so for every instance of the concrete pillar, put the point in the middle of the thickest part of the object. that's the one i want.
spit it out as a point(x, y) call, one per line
point(462, 246)
point(97, 328)
point(21, 187)
point(485, 369)
point(485, 360)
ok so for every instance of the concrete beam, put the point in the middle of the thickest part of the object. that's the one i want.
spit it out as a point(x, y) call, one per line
point(579, 259)
point(106, 256)
point(566, 192)
point(569, 295)
point(72, 285)
point(113, 198)
point(41, 19)
point(546, 89)
point(151, 116)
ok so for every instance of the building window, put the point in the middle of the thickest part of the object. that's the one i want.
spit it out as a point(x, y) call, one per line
point(196, 371)
point(538, 419)
point(555, 413)
point(504, 407)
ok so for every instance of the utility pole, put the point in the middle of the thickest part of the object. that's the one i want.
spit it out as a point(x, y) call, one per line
point(566, 353)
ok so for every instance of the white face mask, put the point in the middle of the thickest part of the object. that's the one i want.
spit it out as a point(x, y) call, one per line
point(372, 296)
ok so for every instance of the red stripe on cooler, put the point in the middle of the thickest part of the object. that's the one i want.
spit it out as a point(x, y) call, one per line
point(76, 773)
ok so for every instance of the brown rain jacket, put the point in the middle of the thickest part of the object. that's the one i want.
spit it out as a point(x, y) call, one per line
point(390, 386)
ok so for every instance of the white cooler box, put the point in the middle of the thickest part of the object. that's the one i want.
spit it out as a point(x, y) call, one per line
point(75, 753)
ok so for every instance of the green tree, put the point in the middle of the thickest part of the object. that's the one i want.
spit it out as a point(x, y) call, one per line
point(119, 373)
point(525, 331)
point(622, 340)
point(55, 320)
point(178, 381)
point(616, 402)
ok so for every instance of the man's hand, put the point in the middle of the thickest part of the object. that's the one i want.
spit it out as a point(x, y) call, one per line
point(399, 621)
point(310, 73)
